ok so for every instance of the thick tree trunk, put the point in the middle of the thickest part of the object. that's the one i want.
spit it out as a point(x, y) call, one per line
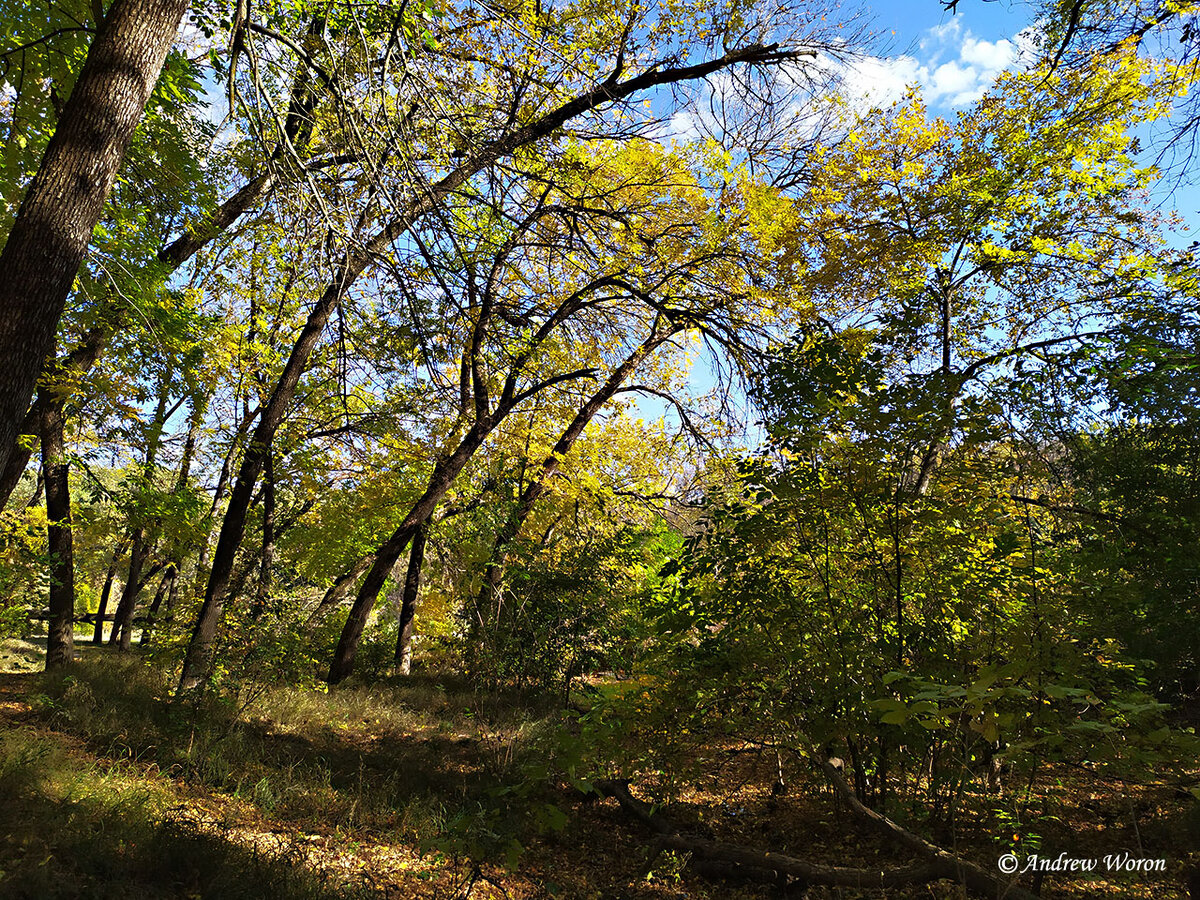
point(408, 600)
point(60, 641)
point(28, 436)
point(69, 367)
point(50, 236)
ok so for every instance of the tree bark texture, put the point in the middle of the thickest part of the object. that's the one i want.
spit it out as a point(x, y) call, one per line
point(50, 236)
point(69, 367)
point(60, 641)
point(408, 600)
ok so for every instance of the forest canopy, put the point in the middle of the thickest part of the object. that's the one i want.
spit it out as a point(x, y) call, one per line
point(619, 353)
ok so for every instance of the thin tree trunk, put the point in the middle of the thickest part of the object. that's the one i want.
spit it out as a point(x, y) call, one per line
point(60, 640)
point(488, 603)
point(440, 481)
point(49, 238)
point(167, 583)
point(203, 560)
point(140, 544)
point(263, 592)
point(408, 600)
point(38, 489)
point(121, 636)
point(171, 579)
point(106, 591)
point(102, 609)
point(339, 589)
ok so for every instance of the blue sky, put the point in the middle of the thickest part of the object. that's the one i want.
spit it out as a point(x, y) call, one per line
point(953, 57)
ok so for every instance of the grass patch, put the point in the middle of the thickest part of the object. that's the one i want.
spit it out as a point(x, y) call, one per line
point(428, 761)
point(78, 830)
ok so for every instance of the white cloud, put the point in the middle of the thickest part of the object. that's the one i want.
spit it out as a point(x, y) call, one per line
point(880, 81)
point(955, 68)
point(995, 56)
point(940, 35)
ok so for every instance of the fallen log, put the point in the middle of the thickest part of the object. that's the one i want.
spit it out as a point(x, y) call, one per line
point(767, 866)
point(977, 879)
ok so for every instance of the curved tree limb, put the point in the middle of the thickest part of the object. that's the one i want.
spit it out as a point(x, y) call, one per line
point(768, 866)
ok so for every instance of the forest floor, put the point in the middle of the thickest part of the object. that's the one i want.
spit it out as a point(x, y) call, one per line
point(415, 790)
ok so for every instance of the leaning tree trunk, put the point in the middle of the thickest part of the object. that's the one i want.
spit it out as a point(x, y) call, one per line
point(122, 630)
point(56, 371)
point(49, 238)
point(266, 563)
point(339, 589)
point(106, 593)
point(408, 600)
point(167, 584)
point(488, 602)
point(28, 436)
point(60, 641)
point(440, 481)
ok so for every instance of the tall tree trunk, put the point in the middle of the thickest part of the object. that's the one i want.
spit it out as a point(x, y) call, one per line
point(50, 236)
point(408, 599)
point(203, 561)
point(60, 641)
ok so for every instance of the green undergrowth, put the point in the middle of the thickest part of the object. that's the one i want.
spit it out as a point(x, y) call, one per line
point(428, 762)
